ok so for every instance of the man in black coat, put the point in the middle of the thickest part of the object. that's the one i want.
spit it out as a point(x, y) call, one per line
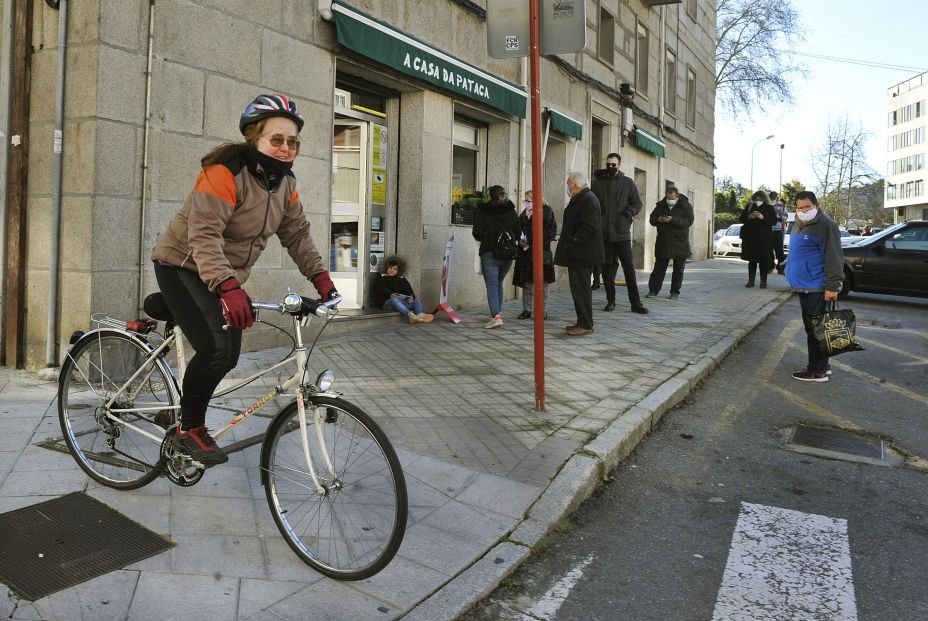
point(580, 248)
point(673, 217)
point(619, 202)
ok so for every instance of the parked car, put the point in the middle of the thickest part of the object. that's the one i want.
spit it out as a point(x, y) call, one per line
point(847, 239)
point(718, 234)
point(791, 222)
point(894, 261)
point(729, 243)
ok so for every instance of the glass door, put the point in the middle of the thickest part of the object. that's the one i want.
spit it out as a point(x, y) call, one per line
point(349, 209)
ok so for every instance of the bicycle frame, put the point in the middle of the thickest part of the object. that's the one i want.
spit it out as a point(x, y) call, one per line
point(298, 359)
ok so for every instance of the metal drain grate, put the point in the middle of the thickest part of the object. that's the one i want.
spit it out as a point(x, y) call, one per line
point(839, 441)
point(62, 542)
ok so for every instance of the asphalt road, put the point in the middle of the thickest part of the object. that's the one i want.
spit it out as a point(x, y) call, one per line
point(654, 542)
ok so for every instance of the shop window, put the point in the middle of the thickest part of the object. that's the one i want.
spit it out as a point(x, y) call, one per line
point(641, 60)
point(468, 169)
point(606, 36)
point(670, 82)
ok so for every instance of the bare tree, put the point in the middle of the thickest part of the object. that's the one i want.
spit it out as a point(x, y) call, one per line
point(840, 167)
point(752, 70)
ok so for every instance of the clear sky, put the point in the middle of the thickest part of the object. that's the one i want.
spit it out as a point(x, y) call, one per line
point(891, 31)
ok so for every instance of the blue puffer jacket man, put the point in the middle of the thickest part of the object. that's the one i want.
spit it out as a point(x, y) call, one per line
point(815, 261)
point(814, 270)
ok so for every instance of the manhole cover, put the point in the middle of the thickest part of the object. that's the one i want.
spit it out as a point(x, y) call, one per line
point(62, 542)
point(840, 444)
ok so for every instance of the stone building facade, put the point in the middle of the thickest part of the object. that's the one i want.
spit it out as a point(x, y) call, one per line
point(396, 136)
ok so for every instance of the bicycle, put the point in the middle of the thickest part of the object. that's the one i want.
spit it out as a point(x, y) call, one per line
point(332, 479)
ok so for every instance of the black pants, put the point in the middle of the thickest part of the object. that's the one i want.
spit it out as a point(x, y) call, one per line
point(597, 271)
point(752, 271)
point(778, 247)
point(620, 251)
point(656, 281)
point(198, 313)
point(813, 304)
point(582, 293)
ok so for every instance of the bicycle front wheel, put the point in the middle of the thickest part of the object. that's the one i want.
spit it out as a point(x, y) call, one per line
point(352, 527)
point(120, 449)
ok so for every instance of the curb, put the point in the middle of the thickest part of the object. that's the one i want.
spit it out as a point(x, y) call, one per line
point(577, 480)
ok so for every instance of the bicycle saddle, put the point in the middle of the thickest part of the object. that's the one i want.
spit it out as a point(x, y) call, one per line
point(156, 308)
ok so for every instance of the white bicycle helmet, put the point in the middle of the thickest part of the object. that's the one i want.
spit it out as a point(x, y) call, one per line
point(266, 106)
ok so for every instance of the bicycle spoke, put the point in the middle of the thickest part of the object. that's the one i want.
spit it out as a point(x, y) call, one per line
point(354, 529)
point(103, 442)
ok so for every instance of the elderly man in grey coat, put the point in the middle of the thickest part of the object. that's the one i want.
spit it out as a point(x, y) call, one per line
point(580, 248)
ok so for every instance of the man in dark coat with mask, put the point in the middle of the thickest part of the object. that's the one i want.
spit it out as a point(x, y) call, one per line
point(580, 248)
point(673, 217)
point(619, 202)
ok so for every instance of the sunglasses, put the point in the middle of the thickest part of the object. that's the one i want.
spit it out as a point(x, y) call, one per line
point(277, 141)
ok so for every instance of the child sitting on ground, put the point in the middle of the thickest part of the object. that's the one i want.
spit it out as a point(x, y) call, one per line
point(393, 292)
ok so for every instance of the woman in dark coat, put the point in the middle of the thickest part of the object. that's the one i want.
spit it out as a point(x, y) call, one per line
point(756, 241)
point(673, 217)
point(491, 219)
point(523, 274)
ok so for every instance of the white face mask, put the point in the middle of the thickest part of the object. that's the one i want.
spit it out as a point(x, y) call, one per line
point(805, 216)
point(758, 203)
point(671, 202)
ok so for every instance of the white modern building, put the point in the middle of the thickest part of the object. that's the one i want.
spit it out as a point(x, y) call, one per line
point(906, 175)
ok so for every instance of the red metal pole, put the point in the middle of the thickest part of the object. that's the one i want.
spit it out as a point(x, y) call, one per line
point(538, 312)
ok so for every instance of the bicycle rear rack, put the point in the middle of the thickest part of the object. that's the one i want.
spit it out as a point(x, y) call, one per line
point(104, 320)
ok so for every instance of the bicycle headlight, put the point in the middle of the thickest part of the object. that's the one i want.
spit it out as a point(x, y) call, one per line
point(325, 380)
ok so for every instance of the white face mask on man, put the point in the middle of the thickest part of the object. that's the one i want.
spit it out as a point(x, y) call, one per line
point(805, 216)
point(758, 203)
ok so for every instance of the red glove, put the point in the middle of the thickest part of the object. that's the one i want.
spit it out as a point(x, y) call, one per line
point(324, 286)
point(236, 305)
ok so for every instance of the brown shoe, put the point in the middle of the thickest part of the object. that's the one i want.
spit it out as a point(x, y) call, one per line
point(640, 309)
point(610, 306)
point(578, 331)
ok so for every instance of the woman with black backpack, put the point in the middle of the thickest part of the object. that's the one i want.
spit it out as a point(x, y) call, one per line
point(496, 227)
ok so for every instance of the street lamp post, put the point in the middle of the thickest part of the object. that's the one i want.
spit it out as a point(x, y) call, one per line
point(780, 188)
point(752, 158)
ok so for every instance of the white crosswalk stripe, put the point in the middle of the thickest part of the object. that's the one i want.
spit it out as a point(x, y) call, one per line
point(787, 564)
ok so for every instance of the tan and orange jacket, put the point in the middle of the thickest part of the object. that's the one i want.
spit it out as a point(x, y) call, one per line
point(226, 221)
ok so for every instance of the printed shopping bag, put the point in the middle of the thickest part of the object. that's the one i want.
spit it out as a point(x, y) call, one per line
point(834, 330)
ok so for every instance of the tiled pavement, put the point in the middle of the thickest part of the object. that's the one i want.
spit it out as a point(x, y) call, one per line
point(457, 402)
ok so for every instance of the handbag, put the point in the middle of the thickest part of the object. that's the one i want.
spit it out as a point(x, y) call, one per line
point(834, 331)
point(547, 256)
point(478, 265)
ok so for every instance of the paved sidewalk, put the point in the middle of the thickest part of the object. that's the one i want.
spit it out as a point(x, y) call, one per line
point(487, 476)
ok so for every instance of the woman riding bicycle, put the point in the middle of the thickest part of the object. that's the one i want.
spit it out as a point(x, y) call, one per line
point(244, 193)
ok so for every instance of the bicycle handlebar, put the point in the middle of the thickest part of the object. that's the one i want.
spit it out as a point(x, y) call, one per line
point(297, 305)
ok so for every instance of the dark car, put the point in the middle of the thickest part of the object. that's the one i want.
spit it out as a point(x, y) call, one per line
point(893, 261)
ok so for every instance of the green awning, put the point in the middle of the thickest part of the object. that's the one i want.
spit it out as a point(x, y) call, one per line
point(379, 41)
point(564, 124)
point(649, 142)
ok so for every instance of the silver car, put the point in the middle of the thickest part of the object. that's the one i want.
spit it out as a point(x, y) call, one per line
point(729, 242)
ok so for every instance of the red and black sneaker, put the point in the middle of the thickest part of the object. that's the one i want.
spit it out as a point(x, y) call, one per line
point(201, 446)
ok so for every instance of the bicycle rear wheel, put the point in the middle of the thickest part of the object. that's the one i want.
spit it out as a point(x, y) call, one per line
point(354, 527)
point(100, 441)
